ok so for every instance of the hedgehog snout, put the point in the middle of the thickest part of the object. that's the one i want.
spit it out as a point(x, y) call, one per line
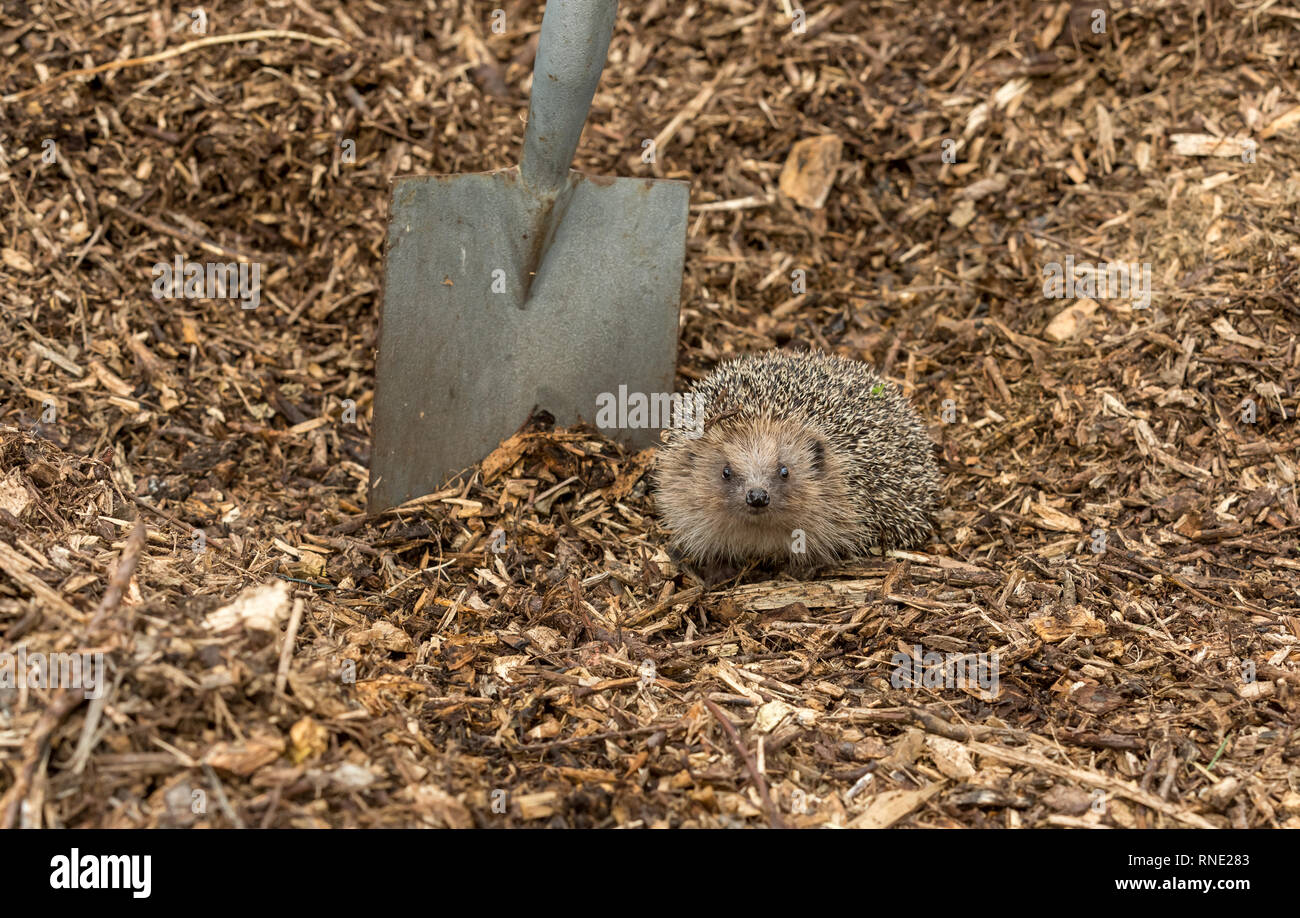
point(756, 498)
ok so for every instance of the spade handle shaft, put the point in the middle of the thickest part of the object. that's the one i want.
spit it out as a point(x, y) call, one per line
point(570, 56)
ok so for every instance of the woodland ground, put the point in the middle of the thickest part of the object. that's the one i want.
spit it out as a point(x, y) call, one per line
point(1119, 520)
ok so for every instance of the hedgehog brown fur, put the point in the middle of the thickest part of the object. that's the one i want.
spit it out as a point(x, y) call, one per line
point(804, 457)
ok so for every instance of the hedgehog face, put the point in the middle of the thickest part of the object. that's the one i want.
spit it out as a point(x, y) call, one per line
point(755, 478)
point(755, 487)
point(762, 475)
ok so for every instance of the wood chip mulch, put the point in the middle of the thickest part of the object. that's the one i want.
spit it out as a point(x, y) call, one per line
point(182, 482)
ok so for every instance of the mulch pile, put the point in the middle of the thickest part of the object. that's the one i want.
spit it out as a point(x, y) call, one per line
point(182, 481)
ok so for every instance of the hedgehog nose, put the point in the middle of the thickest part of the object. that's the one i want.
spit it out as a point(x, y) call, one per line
point(756, 497)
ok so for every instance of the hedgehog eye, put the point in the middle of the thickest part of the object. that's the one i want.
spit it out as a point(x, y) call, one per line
point(726, 472)
point(785, 472)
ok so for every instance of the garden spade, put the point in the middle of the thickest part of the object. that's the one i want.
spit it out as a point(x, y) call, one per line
point(529, 288)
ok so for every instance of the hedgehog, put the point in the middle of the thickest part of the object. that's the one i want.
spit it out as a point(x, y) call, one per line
point(802, 459)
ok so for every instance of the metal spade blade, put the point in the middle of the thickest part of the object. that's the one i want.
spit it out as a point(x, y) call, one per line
point(529, 287)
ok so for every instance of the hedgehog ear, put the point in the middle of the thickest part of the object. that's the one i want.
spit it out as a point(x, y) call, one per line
point(818, 456)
